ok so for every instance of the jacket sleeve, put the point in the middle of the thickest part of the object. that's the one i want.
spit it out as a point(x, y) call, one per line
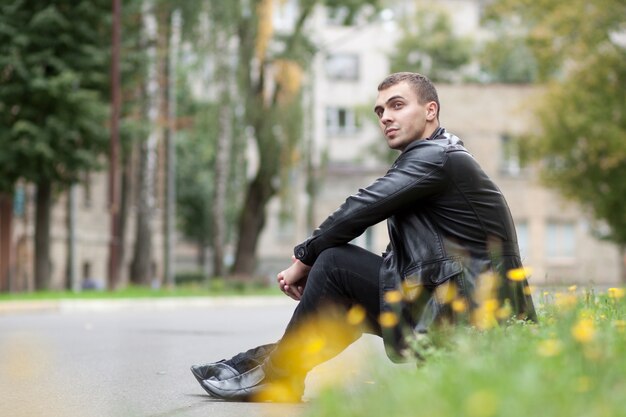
point(407, 182)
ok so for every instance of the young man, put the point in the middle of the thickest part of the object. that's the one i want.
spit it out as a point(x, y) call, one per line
point(450, 234)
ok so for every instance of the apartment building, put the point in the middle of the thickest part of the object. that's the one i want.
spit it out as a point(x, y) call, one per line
point(556, 238)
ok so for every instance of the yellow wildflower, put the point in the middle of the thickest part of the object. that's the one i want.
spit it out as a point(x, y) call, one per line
point(518, 274)
point(486, 286)
point(393, 297)
point(616, 293)
point(459, 305)
point(583, 331)
point(355, 315)
point(565, 301)
point(528, 290)
point(484, 316)
point(504, 312)
point(388, 319)
point(550, 347)
point(314, 345)
point(481, 404)
point(620, 325)
point(278, 392)
point(411, 290)
point(491, 305)
point(572, 288)
point(446, 292)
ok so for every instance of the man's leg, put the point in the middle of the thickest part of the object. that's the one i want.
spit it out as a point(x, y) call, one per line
point(341, 278)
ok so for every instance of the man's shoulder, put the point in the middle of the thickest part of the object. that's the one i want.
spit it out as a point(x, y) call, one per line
point(434, 148)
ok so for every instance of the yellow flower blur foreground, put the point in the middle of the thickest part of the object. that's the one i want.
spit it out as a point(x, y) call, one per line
point(393, 297)
point(411, 290)
point(550, 347)
point(484, 317)
point(445, 292)
point(584, 330)
point(315, 341)
point(459, 305)
point(565, 301)
point(355, 315)
point(388, 319)
point(518, 274)
point(616, 293)
point(481, 404)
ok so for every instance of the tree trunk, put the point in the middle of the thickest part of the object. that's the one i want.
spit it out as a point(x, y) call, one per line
point(222, 167)
point(201, 250)
point(622, 251)
point(141, 268)
point(71, 278)
point(42, 235)
point(125, 191)
point(251, 225)
point(6, 232)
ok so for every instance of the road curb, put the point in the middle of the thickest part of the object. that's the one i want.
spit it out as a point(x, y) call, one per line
point(137, 304)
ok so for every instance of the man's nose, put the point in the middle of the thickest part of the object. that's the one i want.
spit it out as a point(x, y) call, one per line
point(385, 118)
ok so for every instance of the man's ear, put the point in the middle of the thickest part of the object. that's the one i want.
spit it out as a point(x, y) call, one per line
point(431, 111)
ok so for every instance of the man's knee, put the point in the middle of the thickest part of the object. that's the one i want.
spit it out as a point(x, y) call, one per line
point(329, 256)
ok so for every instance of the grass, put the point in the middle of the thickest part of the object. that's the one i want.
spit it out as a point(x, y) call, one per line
point(573, 363)
point(218, 287)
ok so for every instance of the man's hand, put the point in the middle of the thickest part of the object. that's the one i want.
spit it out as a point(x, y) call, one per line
point(292, 280)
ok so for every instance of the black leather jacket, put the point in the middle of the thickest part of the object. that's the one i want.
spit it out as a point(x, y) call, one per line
point(447, 222)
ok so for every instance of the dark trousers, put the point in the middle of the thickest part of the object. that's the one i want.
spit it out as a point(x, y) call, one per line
point(342, 277)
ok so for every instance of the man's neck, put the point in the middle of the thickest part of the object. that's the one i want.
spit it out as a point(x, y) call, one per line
point(430, 129)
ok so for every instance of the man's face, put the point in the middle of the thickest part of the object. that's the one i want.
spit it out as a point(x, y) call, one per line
point(401, 117)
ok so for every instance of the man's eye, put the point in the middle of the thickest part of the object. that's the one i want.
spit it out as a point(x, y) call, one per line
point(397, 105)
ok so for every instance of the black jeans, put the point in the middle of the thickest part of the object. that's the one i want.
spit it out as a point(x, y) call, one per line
point(341, 278)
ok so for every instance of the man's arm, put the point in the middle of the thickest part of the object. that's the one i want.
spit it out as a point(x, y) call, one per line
point(408, 181)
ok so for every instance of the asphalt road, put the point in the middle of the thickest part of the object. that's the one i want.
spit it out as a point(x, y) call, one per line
point(131, 359)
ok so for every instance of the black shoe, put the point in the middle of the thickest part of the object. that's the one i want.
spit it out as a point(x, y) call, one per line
point(255, 386)
point(215, 370)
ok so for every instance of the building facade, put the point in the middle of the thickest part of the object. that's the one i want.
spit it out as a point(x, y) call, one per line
point(555, 236)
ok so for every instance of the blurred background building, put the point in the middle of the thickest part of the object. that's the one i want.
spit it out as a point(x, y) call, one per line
point(346, 146)
point(342, 151)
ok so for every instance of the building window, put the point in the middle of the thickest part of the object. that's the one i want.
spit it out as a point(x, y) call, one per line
point(342, 67)
point(561, 240)
point(509, 156)
point(341, 121)
point(521, 228)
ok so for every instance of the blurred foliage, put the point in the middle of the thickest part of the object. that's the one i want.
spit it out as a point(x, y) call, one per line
point(428, 45)
point(582, 118)
point(54, 64)
point(195, 154)
point(559, 33)
point(507, 59)
point(571, 364)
